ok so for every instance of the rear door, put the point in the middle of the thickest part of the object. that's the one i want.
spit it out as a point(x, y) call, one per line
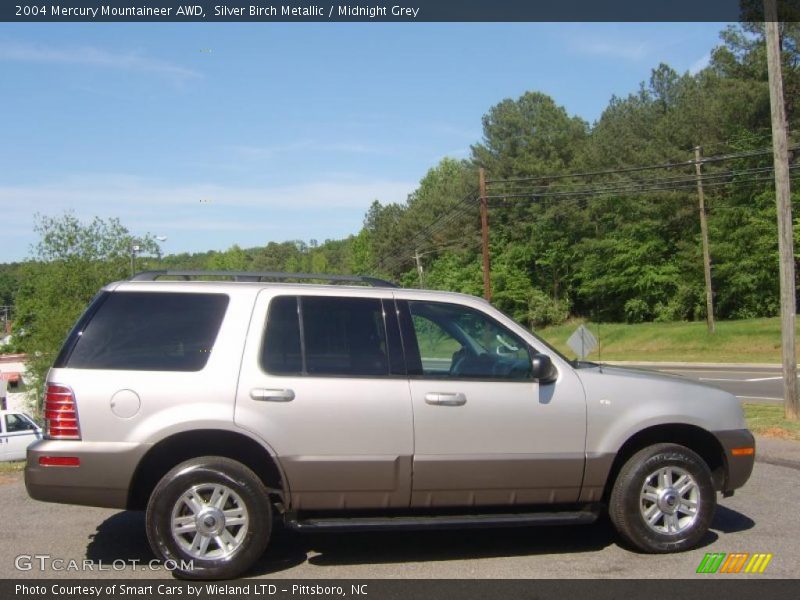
point(485, 432)
point(323, 382)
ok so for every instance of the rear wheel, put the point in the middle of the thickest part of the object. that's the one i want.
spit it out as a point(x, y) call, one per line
point(210, 518)
point(663, 499)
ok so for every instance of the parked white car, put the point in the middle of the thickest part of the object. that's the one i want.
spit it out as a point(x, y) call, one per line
point(17, 432)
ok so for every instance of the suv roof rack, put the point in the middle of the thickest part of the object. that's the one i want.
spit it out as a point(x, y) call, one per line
point(262, 275)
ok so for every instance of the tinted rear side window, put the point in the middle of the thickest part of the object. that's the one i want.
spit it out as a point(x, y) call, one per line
point(344, 336)
point(281, 354)
point(139, 331)
point(325, 336)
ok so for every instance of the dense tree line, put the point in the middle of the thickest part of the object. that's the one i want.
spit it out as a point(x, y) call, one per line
point(556, 250)
point(621, 256)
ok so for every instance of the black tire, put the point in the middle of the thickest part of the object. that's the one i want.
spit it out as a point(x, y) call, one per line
point(232, 548)
point(630, 502)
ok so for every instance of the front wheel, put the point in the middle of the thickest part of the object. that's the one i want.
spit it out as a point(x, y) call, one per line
point(663, 499)
point(209, 518)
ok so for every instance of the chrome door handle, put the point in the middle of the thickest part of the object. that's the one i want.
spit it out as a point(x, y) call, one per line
point(272, 395)
point(445, 399)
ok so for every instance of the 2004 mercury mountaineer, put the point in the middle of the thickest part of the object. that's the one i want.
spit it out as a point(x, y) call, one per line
point(214, 404)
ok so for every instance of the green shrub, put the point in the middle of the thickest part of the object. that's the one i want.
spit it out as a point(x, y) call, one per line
point(544, 311)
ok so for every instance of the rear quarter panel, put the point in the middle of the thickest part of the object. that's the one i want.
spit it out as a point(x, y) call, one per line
point(169, 401)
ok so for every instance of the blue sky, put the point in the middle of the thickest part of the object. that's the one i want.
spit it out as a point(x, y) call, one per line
point(222, 134)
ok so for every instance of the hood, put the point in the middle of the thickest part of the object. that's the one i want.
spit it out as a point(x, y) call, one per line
point(660, 397)
point(640, 373)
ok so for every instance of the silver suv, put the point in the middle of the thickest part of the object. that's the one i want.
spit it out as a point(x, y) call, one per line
point(215, 405)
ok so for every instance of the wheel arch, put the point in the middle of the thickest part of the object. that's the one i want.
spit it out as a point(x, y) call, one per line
point(697, 439)
point(185, 445)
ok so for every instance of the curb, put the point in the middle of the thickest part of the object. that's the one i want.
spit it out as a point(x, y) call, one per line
point(694, 365)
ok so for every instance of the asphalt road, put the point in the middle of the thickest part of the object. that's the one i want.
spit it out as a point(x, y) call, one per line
point(756, 519)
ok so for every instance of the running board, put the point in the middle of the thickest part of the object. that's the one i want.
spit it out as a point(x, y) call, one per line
point(580, 517)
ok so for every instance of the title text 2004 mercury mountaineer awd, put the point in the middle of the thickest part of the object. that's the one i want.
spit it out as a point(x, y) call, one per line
point(215, 404)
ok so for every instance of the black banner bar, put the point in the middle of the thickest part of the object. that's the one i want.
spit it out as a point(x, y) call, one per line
point(716, 586)
point(394, 11)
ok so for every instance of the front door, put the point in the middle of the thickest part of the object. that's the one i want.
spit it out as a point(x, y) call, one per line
point(485, 432)
point(323, 382)
point(19, 433)
point(3, 440)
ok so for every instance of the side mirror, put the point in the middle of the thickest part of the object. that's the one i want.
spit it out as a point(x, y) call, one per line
point(542, 368)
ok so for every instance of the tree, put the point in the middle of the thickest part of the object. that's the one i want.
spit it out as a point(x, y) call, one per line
point(9, 282)
point(70, 263)
point(623, 255)
point(233, 259)
point(528, 136)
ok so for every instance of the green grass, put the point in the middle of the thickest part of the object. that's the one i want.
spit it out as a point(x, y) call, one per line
point(12, 467)
point(750, 340)
point(768, 419)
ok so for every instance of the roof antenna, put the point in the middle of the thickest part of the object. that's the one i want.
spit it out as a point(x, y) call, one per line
point(599, 348)
point(599, 342)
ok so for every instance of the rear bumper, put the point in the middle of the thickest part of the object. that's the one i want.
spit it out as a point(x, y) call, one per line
point(102, 479)
point(738, 467)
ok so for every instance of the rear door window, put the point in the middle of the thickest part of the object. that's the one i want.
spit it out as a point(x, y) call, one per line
point(344, 336)
point(143, 331)
point(324, 336)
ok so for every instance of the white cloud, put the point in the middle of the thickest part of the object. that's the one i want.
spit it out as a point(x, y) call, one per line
point(700, 64)
point(258, 153)
point(607, 40)
point(249, 216)
point(92, 56)
point(204, 225)
point(129, 195)
point(626, 50)
point(134, 198)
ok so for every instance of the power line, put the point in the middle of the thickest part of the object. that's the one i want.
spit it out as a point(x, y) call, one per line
point(504, 200)
point(434, 228)
point(674, 183)
point(746, 176)
point(658, 180)
point(445, 221)
point(458, 209)
point(636, 185)
point(671, 165)
point(453, 211)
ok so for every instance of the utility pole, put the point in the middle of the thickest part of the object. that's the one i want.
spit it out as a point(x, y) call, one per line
point(134, 248)
point(133, 260)
point(784, 210)
point(704, 235)
point(420, 272)
point(487, 278)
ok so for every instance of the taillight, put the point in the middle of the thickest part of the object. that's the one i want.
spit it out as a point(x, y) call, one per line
point(60, 414)
point(59, 461)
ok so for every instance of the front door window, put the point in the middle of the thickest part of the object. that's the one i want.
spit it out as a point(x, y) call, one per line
point(457, 342)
